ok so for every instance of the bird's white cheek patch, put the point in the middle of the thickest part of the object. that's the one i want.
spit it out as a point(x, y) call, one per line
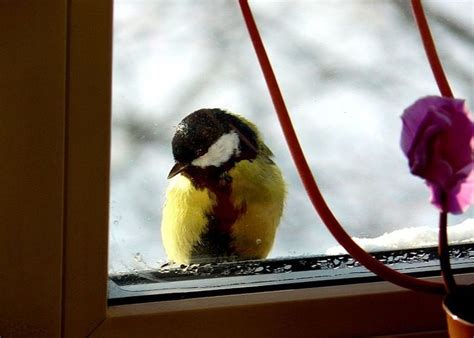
point(220, 152)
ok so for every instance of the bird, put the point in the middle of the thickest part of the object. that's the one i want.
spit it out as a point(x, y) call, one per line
point(225, 196)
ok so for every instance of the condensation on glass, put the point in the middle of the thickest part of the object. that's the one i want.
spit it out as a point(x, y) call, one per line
point(346, 80)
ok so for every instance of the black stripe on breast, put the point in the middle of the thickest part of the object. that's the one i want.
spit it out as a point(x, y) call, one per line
point(217, 241)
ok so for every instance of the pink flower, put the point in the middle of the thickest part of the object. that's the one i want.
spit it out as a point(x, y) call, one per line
point(437, 138)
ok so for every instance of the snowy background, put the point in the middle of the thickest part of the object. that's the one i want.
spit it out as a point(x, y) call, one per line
point(347, 70)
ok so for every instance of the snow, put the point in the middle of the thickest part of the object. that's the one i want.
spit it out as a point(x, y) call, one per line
point(414, 237)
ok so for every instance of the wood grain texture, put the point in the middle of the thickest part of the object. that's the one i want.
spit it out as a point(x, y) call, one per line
point(87, 166)
point(360, 310)
point(32, 123)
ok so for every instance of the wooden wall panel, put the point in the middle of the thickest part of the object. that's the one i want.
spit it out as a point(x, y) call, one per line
point(32, 113)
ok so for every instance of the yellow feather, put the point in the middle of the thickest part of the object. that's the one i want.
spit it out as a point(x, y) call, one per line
point(260, 187)
point(184, 218)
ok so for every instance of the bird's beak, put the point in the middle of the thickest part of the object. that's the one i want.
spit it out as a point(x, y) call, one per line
point(177, 168)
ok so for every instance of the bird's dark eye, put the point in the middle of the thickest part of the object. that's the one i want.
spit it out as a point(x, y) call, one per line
point(200, 152)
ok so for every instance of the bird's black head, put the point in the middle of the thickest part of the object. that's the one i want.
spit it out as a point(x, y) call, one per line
point(212, 138)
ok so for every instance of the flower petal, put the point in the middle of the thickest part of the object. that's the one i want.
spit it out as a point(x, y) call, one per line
point(437, 138)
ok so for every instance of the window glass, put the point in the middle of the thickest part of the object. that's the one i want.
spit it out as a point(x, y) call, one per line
point(347, 70)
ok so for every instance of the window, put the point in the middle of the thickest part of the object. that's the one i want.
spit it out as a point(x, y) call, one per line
point(345, 91)
point(56, 76)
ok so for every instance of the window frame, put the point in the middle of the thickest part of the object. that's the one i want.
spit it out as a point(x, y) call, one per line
point(78, 234)
point(88, 123)
point(210, 316)
point(32, 120)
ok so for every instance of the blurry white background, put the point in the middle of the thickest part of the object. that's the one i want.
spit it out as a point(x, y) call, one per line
point(347, 70)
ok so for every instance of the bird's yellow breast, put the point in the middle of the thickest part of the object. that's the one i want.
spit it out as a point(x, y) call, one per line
point(184, 218)
point(257, 191)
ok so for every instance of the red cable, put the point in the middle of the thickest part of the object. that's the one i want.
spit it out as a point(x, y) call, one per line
point(430, 49)
point(309, 182)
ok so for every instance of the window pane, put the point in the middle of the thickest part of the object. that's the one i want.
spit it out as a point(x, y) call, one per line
point(347, 71)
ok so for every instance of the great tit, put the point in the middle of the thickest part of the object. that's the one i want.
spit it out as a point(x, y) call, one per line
point(225, 196)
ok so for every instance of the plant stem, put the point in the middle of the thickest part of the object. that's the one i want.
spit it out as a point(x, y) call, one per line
point(308, 180)
point(443, 252)
point(430, 49)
